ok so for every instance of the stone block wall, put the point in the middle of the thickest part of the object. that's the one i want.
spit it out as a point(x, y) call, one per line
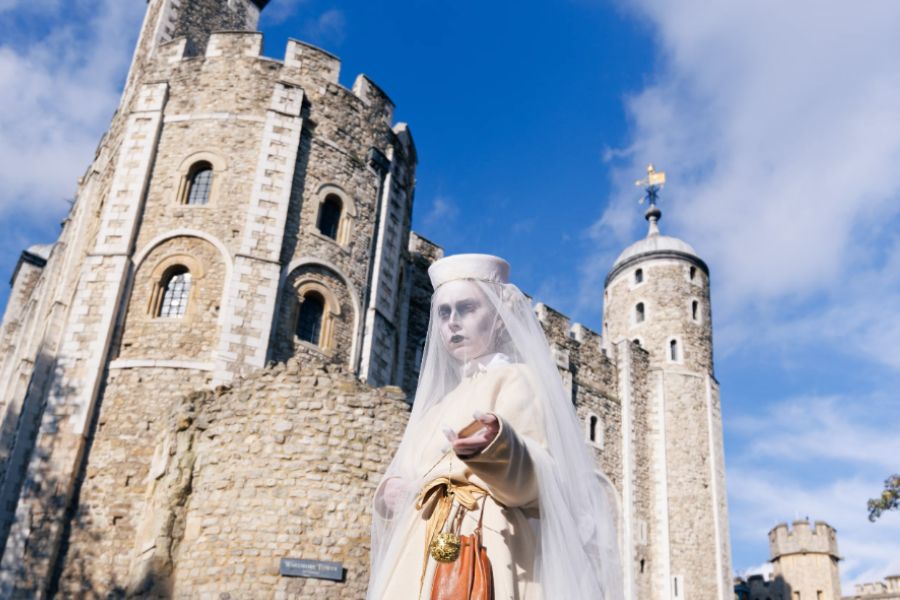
point(283, 464)
point(667, 292)
point(416, 305)
point(135, 407)
point(806, 557)
point(147, 336)
point(694, 539)
point(343, 317)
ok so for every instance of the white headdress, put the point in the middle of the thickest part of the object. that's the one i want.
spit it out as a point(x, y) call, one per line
point(483, 267)
point(578, 557)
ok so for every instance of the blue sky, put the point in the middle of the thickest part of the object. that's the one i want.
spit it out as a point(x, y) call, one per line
point(779, 127)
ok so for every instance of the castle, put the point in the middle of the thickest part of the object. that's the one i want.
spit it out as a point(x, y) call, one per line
point(204, 376)
point(805, 559)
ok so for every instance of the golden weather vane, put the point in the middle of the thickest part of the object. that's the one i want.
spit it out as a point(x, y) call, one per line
point(654, 181)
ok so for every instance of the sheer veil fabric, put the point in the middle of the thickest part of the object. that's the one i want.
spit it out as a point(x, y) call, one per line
point(577, 529)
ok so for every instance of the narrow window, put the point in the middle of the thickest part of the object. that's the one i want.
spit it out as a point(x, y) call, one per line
point(176, 286)
point(639, 276)
point(330, 216)
point(199, 183)
point(673, 349)
point(642, 565)
point(309, 322)
point(639, 312)
point(694, 309)
point(592, 428)
point(692, 273)
point(678, 587)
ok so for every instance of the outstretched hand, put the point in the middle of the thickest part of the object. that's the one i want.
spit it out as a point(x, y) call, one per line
point(471, 445)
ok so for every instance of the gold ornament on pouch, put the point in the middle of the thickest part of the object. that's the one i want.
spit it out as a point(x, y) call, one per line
point(445, 547)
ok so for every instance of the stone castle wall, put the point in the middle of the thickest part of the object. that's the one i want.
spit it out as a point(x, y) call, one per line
point(805, 558)
point(689, 551)
point(193, 337)
point(246, 116)
point(667, 293)
point(171, 457)
point(282, 464)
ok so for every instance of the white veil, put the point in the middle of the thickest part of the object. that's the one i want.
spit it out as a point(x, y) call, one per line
point(579, 556)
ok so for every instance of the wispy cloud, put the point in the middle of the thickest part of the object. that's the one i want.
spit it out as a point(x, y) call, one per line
point(443, 211)
point(328, 28)
point(58, 91)
point(32, 6)
point(779, 125)
point(822, 458)
point(281, 11)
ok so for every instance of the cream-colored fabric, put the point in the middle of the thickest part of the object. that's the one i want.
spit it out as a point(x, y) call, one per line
point(504, 468)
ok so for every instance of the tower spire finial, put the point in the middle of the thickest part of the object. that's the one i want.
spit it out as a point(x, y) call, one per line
point(654, 182)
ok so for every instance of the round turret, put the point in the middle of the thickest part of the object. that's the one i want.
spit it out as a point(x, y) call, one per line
point(657, 295)
point(805, 559)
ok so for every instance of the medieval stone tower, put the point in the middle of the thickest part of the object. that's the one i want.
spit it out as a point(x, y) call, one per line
point(657, 297)
point(805, 561)
point(207, 372)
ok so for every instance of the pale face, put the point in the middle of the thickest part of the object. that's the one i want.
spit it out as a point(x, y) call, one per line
point(466, 318)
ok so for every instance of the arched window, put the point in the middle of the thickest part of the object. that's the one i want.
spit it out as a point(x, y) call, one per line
point(309, 321)
point(695, 306)
point(692, 272)
point(199, 183)
point(592, 427)
point(673, 350)
point(176, 288)
point(639, 313)
point(639, 275)
point(330, 216)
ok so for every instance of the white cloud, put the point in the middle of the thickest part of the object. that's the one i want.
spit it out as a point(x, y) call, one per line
point(31, 6)
point(281, 11)
point(58, 93)
point(837, 429)
point(822, 458)
point(443, 211)
point(779, 126)
point(327, 28)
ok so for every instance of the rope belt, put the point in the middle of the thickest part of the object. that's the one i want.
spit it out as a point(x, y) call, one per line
point(439, 494)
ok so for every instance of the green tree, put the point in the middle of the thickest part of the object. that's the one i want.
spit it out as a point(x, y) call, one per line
point(889, 499)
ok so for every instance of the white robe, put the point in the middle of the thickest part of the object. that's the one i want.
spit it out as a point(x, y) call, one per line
point(504, 469)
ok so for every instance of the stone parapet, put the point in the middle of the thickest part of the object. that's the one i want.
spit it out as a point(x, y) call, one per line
point(802, 538)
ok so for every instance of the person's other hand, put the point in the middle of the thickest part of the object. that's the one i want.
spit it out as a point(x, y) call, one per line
point(393, 492)
point(465, 447)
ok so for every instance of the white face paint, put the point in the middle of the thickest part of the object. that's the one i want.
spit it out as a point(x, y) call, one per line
point(466, 318)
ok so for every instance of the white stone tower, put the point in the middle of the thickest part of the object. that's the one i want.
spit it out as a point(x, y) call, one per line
point(657, 295)
point(805, 561)
point(239, 210)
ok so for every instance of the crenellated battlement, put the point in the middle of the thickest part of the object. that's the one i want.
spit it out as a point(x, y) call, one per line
point(574, 345)
point(558, 326)
point(301, 61)
point(234, 44)
point(802, 538)
point(374, 97)
point(312, 61)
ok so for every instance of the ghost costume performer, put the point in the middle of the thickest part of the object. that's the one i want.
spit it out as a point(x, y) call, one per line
point(549, 516)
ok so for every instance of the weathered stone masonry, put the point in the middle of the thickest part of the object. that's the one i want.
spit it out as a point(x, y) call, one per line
point(185, 455)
